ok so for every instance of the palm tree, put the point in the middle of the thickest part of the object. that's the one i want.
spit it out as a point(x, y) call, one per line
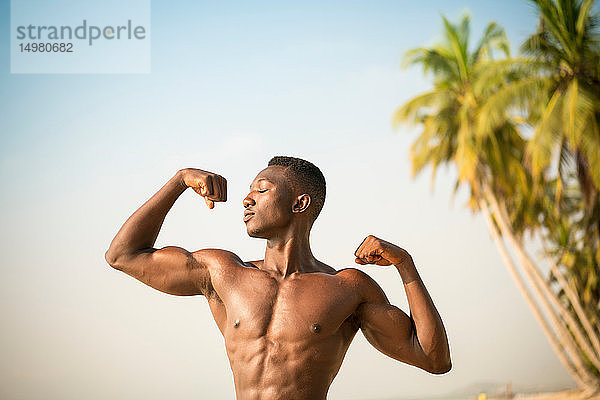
point(568, 43)
point(567, 116)
point(488, 154)
point(561, 95)
point(561, 98)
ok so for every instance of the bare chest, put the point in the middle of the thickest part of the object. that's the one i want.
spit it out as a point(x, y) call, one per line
point(296, 309)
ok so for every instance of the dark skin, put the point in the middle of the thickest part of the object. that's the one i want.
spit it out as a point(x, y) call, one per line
point(288, 319)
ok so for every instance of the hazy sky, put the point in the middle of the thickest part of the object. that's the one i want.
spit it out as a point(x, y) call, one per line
point(232, 85)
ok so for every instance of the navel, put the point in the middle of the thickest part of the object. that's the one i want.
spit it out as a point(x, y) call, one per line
point(316, 328)
point(236, 324)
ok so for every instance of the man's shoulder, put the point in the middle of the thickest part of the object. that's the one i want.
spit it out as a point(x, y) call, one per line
point(254, 264)
point(353, 274)
point(360, 281)
point(348, 274)
point(217, 257)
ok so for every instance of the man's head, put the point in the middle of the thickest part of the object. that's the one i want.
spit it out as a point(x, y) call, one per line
point(289, 191)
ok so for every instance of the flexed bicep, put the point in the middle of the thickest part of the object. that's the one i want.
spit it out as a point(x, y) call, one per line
point(391, 331)
point(420, 339)
point(171, 270)
point(387, 327)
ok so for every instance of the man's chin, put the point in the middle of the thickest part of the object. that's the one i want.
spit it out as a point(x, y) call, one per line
point(255, 233)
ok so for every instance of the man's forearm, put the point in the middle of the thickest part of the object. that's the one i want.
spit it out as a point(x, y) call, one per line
point(428, 323)
point(141, 229)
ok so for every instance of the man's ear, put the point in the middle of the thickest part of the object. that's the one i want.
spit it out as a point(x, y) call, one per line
point(301, 204)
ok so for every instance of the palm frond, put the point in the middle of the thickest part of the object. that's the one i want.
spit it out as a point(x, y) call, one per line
point(489, 76)
point(545, 138)
point(509, 100)
point(590, 149)
point(414, 110)
point(579, 107)
point(458, 47)
point(583, 18)
point(554, 23)
point(494, 37)
point(432, 60)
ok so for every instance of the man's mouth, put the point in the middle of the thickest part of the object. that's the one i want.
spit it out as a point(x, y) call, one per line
point(248, 215)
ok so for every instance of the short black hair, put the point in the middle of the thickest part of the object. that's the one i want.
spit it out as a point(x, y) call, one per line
point(308, 177)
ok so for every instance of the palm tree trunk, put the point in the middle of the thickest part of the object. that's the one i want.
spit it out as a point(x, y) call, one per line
point(585, 321)
point(558, 350)
point(541, 284)
point(538, 287)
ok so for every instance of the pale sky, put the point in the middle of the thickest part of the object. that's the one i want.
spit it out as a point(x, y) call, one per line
point(231, 86)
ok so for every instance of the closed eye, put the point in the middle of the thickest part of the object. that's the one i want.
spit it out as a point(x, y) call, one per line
point(262, 191)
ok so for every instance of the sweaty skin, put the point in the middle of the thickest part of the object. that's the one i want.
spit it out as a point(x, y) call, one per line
point(288, 319)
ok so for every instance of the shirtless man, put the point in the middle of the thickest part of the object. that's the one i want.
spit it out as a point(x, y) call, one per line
point(288, 319)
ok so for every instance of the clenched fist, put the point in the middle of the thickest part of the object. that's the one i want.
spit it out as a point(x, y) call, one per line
point(376, 251)
point(212, 187)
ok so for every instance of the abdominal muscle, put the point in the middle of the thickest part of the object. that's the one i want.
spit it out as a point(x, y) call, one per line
point(270, 368)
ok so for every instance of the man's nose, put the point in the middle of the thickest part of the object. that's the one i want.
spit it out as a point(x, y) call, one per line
point(248, 201)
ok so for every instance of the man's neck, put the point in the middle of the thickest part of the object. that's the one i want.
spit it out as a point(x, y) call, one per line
point(290, 253)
